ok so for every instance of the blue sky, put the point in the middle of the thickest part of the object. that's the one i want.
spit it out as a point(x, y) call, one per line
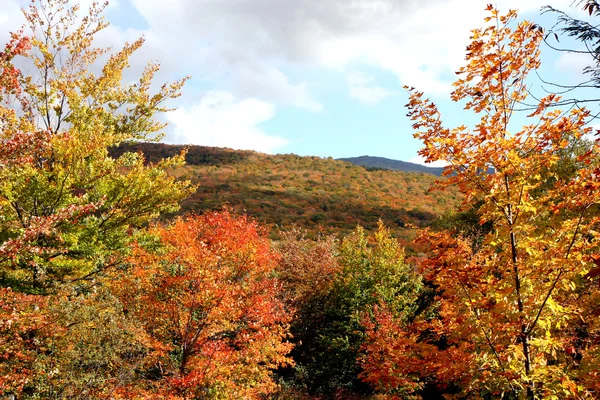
point(310, 77)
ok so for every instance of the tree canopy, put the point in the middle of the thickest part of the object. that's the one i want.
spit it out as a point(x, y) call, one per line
point(66, 207)
point(508, 310)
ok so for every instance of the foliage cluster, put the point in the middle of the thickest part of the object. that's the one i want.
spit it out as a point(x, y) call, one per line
point(349, 280)
point(514, 312)
point(65, 206)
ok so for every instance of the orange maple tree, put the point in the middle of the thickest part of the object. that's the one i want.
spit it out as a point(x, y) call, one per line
point(210, 307)
point(514, 315)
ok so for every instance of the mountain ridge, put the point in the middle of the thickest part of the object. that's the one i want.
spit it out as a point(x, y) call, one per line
point(374, 162)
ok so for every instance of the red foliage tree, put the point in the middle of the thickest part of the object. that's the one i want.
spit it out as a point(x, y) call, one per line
point(209, 304)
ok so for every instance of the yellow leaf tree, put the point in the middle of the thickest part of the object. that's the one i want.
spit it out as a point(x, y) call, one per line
point(66, 207)
point(68, 210)
point(514, 315)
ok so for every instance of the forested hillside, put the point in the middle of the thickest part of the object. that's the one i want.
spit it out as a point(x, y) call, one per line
point(321, 195)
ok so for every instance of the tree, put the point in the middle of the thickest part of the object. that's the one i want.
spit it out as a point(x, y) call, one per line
point(61, 347)
point(307, 270)
point(66, 207)
point(19, 325)
point(504, 309)
point(210, 308)
point(68, 211)
point(371, 271)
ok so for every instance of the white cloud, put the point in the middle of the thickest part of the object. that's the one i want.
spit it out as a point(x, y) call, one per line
point(417, 42)
point(362, 88)
point(421, 42)
point(221, 120)
point(273, 85)
point(264, 49)
point(11, 19)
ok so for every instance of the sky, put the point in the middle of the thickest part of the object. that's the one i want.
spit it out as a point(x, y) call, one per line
point(310, 77)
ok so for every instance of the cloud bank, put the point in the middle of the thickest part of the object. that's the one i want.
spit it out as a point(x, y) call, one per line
point(250, 58)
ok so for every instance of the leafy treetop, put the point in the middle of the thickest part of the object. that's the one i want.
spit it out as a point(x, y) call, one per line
point(65, 205)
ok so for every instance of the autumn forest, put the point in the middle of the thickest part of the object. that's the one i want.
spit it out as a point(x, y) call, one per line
point(132, 269)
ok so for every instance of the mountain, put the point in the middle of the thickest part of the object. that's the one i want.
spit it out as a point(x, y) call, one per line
point(396, 165)
point(322, 195)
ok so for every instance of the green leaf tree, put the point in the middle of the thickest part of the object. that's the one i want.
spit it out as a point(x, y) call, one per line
point(66, 207)
point(371, 271)
point(68, 211)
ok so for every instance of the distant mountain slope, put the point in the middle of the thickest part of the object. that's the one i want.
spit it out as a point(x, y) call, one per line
point(396, 165)
point(321, 195)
